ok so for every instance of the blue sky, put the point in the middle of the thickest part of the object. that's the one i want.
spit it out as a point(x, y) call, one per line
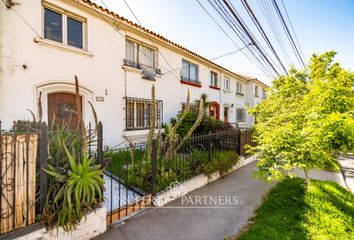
point(320, 25)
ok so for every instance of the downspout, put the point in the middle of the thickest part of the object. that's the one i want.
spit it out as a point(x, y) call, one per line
point(220, 97)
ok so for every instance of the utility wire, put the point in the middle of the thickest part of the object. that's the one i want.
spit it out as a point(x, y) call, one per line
point(117, 30)
point(220, 56)
point(233, 26)
point(232, 40)
point(292, 28)
point(23, 19)
point(131, 10)
point(275, 29)
point(261, 30)
point(246, 31)
point(301, 61)
point(230, 53)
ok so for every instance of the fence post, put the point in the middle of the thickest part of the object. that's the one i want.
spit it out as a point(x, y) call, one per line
point(153, 169)
point(43, 163)
point(100, 143)
point(209, 147)
point(238, 141)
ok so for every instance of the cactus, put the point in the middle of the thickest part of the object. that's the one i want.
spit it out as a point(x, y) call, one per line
point(153, 116)
point(195, 125)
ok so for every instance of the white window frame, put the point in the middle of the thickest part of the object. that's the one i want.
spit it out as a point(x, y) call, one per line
point(243, 116)
point(188, 78)
point(214, 82)
point(137, 52)
point(227, 83)
point(256, 91)
point(65, 14)
point(239, 89)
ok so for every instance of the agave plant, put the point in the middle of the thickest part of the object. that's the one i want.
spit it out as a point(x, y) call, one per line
point(77, 188)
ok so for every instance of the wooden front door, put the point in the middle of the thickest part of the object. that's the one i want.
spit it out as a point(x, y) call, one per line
point(62, 109)
point(226, 114)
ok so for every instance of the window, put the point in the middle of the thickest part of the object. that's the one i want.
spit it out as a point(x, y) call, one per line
point(214, 79)
point(226, 83)
point(138, 56)
point(189, 72)
point(194, 108)
point(264, 94)
point(74, 32)
point(239, 89)
point(256, 91)
point(137, 112)
point(240, 115)
point(55, 29)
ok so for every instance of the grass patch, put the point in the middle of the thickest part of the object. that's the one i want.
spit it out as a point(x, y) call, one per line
point(290, 211)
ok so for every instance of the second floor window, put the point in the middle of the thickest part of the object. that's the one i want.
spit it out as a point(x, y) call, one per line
point(226, 83)
point(63, 28)
point(140, 55)
point(240, 115)
point(256, 91)
point(189, 72)
point(239, 89)
point(214, 79)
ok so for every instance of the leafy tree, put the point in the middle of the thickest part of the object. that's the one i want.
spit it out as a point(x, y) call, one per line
point(306, 120)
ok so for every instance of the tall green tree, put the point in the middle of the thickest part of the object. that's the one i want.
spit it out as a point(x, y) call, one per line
point(306, 120)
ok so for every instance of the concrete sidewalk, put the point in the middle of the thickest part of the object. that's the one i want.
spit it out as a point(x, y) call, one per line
point(347, 163)
point(172, 222)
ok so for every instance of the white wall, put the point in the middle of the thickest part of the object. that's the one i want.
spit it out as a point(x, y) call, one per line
point(51, 68)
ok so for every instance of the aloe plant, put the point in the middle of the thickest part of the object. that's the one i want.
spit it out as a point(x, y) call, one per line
point(81, 187)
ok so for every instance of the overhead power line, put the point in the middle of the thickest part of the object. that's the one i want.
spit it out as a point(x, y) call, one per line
point(131, 10)
point(293, 45)
point(292, 28)
point(254, 61)
point(261, 30)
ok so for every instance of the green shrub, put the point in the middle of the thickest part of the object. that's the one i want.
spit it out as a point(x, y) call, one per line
point(121, 161)
point(221, 161)
point(73, 190)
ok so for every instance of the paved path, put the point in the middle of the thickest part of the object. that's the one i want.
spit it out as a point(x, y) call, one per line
point(199, 223)
point(347, 163)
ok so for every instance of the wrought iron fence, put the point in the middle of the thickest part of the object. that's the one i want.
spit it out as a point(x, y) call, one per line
point(131, 176)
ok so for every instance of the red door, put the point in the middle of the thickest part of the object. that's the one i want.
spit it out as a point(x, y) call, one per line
point(62, 109)
point(214, 110)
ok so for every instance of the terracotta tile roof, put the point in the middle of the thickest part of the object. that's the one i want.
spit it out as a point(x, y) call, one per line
point(147, 31)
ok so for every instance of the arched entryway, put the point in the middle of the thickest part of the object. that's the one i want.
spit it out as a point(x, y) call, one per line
point(62, 92)
point(62, 109)
point(214, 110)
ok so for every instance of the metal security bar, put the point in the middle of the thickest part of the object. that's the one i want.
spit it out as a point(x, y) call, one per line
point(137, 113)
point(137, 65)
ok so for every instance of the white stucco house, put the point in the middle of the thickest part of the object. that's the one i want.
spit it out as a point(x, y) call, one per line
point(45, 43)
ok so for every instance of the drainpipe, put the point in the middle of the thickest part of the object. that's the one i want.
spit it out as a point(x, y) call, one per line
point(220, 98)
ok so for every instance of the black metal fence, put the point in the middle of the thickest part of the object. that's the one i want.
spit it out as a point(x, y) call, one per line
point(131, 174)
